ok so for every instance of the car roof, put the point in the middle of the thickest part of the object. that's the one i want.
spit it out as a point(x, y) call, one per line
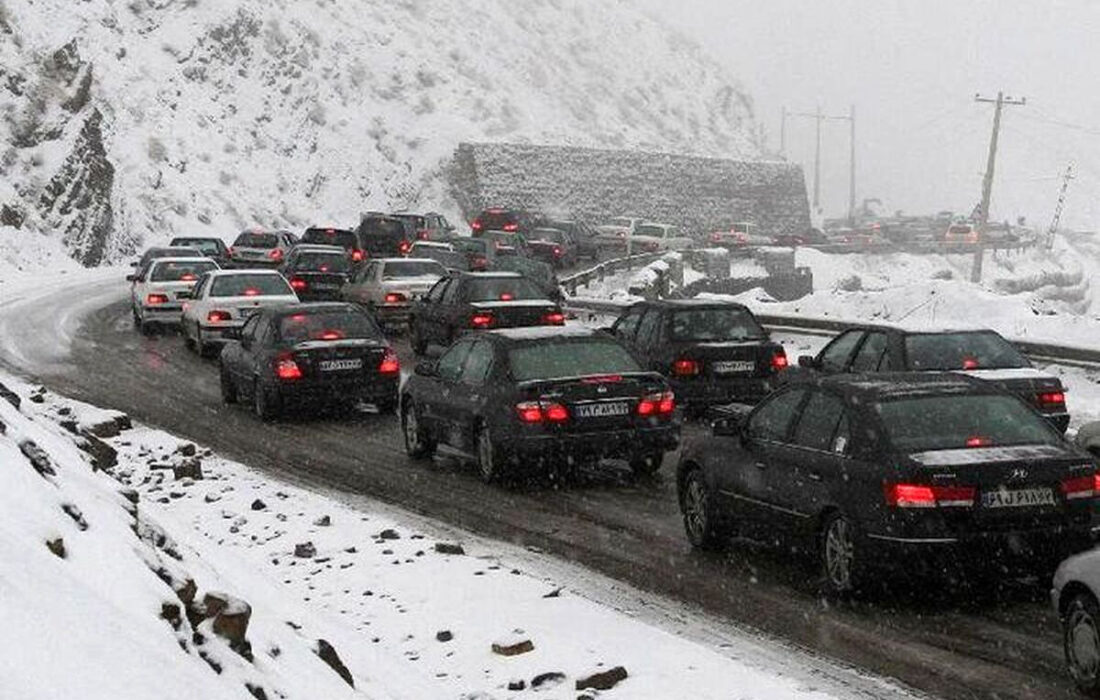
point(693, 303)
point(915, 328)
point(395, 260)
point(863, 389)
point(286, 309)
point(537, 333)
point(490, 275)
point(228, 273)
point(334, 229)
point(182, 258)
point(193, 238)
point(161, 249)
point(319, 248)
point(431, 244)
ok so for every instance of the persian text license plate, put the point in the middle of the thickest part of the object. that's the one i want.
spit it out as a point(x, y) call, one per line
point(734, 367)
point(341, 365)
point(603, 410)
point(1017, 498)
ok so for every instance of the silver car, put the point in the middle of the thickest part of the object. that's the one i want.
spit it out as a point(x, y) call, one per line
point(261, 248)
point(389, 286)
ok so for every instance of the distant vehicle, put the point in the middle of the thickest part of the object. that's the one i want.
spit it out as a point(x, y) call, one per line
point(213, 248)
point(650, 238)
point(505, 243)
point(382, 236)
point(348, 240)
point(261, 248)
point(442, 252)
point(388, 287)
point(156, 253)
point(960, 233)
point(809, 237)
point(428, 227)
point(713, 352)
point(918, 472)
point(157, 294)
point(585, 238)
point(480, 253)
point(1075, 593)
point(317, 272)
point(222, 301)
point(307, 354)
point(553, 246)
point(542, 397)
point(979, 353)
point(506, 220)
point(478, 301)
point(612, 236)
point(740, 235)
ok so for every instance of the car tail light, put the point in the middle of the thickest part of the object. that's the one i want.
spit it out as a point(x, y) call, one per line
point(715, 238)
point(298, 284)
point(476, 224)
point(686, 367)
point(533, 412)
point(661, 404)
point(479, 262)
point(423, 234)
point(188, 277)
point(507, 296)
point(924, 496)
point(156, 299)
point(217, 316)
point(978, 441)
point(529, 412)
point(357, 255)
point(252, 292)
point(481, 320)
point(332, 335)
point(395, 298)
point(780, 361)
point(1052, 399)
point(404, 247)
point(232, 251)
point(557, 251)
point(603, 379)
point(510, 227)
point(276, 254)
point(555, 413)
point(390, 363)
point(970, 363)
point(287, 369)
point(621, 234)
point(554, 318)
point(651, 246)
point(1081, 487)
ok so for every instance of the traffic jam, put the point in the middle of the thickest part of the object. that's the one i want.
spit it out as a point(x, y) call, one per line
point(891, 452)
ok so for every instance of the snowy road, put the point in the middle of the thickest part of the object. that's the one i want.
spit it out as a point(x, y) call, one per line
point(957, 645)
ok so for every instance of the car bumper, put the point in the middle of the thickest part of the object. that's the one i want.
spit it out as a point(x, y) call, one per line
point(393, 313)
point(371, 390)
point(216, 335)
point(711, 391)
point(611, 444)
point(167, 315)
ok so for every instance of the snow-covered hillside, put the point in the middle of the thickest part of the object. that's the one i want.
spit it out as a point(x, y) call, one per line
point(123, 123)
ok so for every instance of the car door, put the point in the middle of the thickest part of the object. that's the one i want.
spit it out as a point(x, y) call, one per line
point(836, 356)
point(811, 463)
point(446, 314)
point(437, 400)
point(870, 354)
point(237, 356)
point(467, 400)
point(648, 337)
point(625, 328)
point(425, 311)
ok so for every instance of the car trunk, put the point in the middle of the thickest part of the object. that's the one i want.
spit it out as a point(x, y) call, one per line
point(544, 250)
point(319, 283)
point(729, 360)
point(1027, 383)
point(241, 308)
point(412, 287)
point(597, 402)
point(339, 361)
point(516, 314)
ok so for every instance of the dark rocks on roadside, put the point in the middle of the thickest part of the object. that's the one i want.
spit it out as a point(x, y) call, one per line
point(444, 636)
point(389, 534)
point(259, 505)
point(172, 613)
point(604, 680)
point(37, 457)
point(547, 680)
point(328, 654)
point(10, 396)
point(3, 428)
point(188, 469)
point(104, 457)
point(187, 449)
point(70, 426)
point(37, 398)
point(449, 548)
point(513, 647)
point(57, 546)
point(256, 691)
point(212, 497)
point(517, 684)
point(323, 521)
point(305, 550)
point(73, 512)
point(231, 617)
point(556, 593)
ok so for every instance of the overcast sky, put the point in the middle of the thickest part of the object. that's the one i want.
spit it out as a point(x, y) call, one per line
point(912, 68)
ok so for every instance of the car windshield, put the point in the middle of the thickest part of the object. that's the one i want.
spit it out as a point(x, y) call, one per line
point(417, 221)
point(385, 228)
point(548, 234)
point(402, 269)
point(327, 324)
point(955, 351)
point(172, 271)
point(471, 245)
point(715, 325)
point(250, 286)
point(926, 423)
point(256, 240)
point(322, 262)
point(570, 358)
point(624, 223)
point(500, 289)
point(655, 231)
point(328, 236)
point(206, 246)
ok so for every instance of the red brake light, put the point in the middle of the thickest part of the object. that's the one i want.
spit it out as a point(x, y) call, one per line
point(535, 412)
point(556, 413)
point(478, 262)
point(298, 284)
point(970, 363)
point(287, 369)
point(232, 251)
point(252, 292)
point(1081, 487)
point(357, 255)
point(657, 404)
point(557, 251)
point(510, 227)
point(390, 363)
point(1051, 399)
point(332, 335)
point(481, 320)
point(554, 318)
point(923, 496)
point(779, 360)
point(667, 404)
point(395, 298)
point(685, 367)
point(276, 254)
point(156, 299)
point(476, 224)
point(605, 379)
point(404, 246)
point(529, 412)
point(423, 234)
point(978, 441)
point(716, 237)
point(506, 296)
point(188, 277)
point(218, 317)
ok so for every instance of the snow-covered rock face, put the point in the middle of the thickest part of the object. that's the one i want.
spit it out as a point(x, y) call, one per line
point(125, 123)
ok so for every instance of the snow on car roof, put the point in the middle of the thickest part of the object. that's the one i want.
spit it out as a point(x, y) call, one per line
point(319, 248)
point(545, 332)
point(181, 258)
point(482, 275)
point(258, 273)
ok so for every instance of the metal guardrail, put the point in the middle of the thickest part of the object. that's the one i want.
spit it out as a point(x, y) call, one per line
point(602, 270)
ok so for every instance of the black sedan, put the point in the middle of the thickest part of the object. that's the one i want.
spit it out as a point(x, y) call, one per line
point(979, 353)
point(927, 472)
point(713, 352)
point(466, 302)
point(317, 272)
point(303, 354)
point(544, 397)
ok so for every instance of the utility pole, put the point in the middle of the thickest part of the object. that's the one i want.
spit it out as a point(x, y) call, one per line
point(820, 118)
point(1060, 206)
point(987, 181)
point(852, 166)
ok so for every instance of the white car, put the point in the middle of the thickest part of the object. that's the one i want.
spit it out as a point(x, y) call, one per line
point(224, 299)
point(261, 248)
point(158, 291)
point(650, 237)
point(389, 286)
point(1075, 594)
point(612, 235)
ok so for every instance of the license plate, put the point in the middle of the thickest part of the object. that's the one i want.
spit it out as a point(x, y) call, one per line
point(734, 367)
point(325, 287)
point(341, 365)
point(1017, 498)
point(603, 410)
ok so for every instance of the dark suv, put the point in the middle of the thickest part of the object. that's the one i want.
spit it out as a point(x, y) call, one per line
point(348, 240)
point(428, 227)
point(384, 236)
point(498, 219)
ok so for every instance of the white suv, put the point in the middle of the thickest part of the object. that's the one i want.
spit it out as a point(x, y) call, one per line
point(158, 291)
point(224, 299)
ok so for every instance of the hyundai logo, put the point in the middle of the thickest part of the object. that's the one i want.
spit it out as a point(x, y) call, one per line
point(1018, 474)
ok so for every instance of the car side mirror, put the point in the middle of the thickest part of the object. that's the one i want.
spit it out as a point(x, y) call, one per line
point(807, 362)
point(131, 278)
point(728, 421)
point(426, 368)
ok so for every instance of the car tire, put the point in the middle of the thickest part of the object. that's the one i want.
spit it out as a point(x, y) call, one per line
point(647, 465)
point(229, 390)
point(488, 457)
point(264, 404)
point(839, 555)
point(416, 445)
point(1081, 641)
point(701, 521)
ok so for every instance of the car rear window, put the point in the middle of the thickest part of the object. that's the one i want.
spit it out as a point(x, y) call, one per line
point(548, 234)
point(322, 262)
point(926, 423)
point(955, 351)
point(180, 271)
point(205, 246)
point(500, 289)
point(418, 222)
point(335, 324)
point(570, 358)
point(496, 219)
point(471, 245)
point(715, 325)
point(250, 286)
point(401, 269)
point(383, 228)
point(328, 236)
point(655, 231)
point(257, 240)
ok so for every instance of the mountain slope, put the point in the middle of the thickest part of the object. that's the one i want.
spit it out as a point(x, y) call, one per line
point(129, 122)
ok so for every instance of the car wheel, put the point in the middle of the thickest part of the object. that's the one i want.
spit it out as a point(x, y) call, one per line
point(700, 518)
point(416, 445)
point(648, 465)
point(1082, 642)
point(488, 457)
point(229, 390)
point(265, 406)
point(840, 562)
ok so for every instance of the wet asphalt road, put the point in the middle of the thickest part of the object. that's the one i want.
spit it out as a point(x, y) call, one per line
point(948, 641)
